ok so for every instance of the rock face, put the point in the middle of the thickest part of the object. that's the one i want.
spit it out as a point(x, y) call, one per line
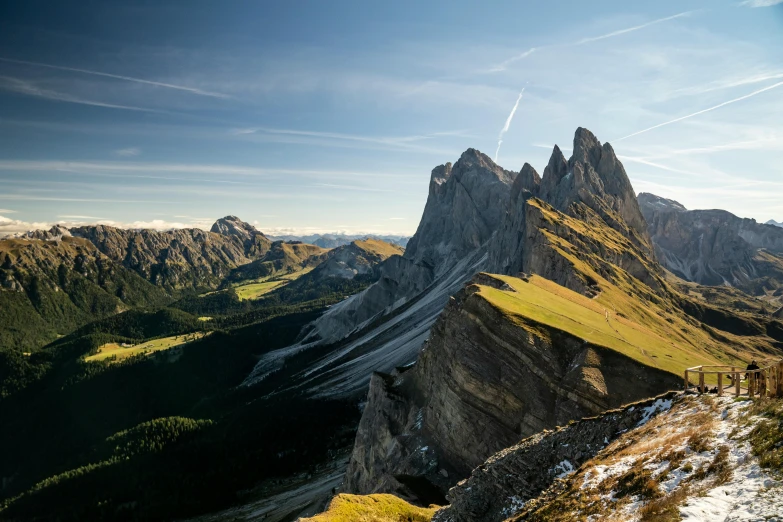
point(715, 247)
point(500, 487)
point(482, 383)
point(466, 204)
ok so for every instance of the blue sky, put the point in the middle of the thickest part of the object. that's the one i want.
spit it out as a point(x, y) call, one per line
point(329, 116)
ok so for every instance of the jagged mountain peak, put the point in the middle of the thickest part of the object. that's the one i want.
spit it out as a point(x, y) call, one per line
point(233, 226)
point(595, 177)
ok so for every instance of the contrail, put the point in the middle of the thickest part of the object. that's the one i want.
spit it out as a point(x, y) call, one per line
point(631, 29)
point(503, 65)
point(735, 100)
point(118, 77)
point(508, 123)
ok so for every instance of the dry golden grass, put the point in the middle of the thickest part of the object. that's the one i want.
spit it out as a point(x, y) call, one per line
point(372, 508)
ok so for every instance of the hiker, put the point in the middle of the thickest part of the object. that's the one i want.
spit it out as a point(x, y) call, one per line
point(752, 366)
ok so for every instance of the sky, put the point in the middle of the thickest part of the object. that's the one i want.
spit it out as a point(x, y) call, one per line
point(304, 117)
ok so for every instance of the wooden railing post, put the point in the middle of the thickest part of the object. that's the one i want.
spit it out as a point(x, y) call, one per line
point(751, 384)
point(701, 380)
point(737, 384)
point(779, 391)
point(763, 384)
point(720, 384)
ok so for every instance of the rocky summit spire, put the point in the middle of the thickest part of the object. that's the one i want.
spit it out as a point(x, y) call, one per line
point(595, 177)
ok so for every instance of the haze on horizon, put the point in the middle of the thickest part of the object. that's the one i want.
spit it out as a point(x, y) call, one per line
point(323, 117)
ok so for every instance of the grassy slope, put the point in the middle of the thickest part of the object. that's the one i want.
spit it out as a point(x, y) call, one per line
point(115, 352)
point(647, 326)
point(372, 508)
point(381, 248)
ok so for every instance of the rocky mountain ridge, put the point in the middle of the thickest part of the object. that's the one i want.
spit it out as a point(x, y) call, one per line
point(52, 284)
point(715, 247)
point(336, 240)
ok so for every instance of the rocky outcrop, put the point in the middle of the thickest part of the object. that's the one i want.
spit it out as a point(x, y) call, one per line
point(715, 247)
point(502, 485)
point(482, 382)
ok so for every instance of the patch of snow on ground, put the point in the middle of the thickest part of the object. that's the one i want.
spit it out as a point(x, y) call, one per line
point(515, 505)
point(563, 469)
point(659, 406)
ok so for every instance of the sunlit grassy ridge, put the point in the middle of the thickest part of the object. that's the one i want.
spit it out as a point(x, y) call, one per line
point(544, 302)
point(626, 315)
point(372, 508)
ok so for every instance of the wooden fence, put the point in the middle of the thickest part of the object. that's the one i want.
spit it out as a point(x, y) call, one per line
point(767, 381)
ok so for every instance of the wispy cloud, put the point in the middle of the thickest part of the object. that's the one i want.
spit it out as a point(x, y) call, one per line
point(632, 29)
point(410, 142)
point(508, 123)
point(729, 102)
point(130, 151)
point(85, 167)
point(27, 88)
point(118, 77)
point(761, 3)
point(7, 211)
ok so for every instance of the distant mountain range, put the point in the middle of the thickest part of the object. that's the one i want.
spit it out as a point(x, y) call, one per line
point(775, 223)
point(335, 240)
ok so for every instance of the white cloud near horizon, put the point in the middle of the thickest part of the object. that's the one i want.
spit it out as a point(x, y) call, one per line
point(117, 77)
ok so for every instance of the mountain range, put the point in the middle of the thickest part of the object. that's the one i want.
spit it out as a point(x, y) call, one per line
point(522, 304)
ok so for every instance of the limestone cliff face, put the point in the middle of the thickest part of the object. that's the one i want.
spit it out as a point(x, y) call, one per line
point(481, 384)
point(715, 247)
